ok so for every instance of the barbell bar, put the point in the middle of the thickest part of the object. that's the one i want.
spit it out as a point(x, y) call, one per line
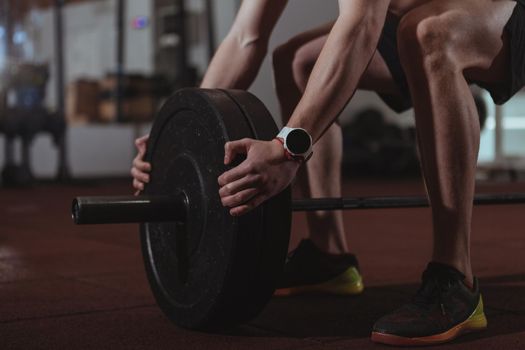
point(392, 202)
point(166, 208)
point(129, 209)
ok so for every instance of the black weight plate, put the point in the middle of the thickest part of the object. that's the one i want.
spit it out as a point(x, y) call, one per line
point(277, 214)
point(201, 274)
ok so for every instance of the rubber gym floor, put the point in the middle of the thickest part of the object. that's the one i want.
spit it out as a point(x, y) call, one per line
point(68, 287)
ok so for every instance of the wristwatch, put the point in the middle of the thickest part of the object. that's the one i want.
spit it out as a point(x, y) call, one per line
point(297, 143)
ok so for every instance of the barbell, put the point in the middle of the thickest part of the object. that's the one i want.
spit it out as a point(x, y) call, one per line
point(209, 270)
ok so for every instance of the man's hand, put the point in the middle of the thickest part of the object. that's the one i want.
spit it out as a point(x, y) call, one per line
point(140, 168)
point(265, 173)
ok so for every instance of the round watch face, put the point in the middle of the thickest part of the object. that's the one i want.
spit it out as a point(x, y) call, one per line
point(298, 141)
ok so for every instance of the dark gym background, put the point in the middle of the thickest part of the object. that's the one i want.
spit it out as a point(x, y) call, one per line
point(80, 80)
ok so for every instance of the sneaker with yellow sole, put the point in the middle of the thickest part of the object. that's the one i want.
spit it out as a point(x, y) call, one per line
point(443, 309)
point(308, 270)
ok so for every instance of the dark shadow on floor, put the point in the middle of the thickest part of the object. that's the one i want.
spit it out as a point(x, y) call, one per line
point(353, 317)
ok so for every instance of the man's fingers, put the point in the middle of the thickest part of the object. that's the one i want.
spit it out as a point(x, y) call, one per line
point(141, 165)
point(137, 185)
point(236, 173)
point(241, 184)
point(232, 148)
point(140, 168)
point(142, 151)
point(140, 144)
point(141, 140)
point(239, 198)
point(249, 206)
point(139, 175)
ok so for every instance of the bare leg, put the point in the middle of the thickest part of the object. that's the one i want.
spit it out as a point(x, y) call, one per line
point(441, 42)
point(293, 63)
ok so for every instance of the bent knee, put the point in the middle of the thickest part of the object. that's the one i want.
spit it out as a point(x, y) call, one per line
point(429, 43)
point(302, 65)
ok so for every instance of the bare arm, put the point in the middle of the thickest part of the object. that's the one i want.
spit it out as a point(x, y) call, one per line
point(348, 50)
point(343, 60)
point(239, 57)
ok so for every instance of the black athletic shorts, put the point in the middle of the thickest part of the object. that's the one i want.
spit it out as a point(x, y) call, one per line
point(387, 47)
point(500, 93)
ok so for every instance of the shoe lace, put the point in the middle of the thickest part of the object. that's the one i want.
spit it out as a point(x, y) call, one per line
point(434, 288)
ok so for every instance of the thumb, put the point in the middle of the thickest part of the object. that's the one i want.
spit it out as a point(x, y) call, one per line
point(233, 148)
point(140, 144)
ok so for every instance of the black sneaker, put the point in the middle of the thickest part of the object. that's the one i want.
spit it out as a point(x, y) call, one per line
point(443, 309)
point(311, 271)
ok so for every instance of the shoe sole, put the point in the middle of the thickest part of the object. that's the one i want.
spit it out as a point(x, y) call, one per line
point(344, 284)
point(476, 322)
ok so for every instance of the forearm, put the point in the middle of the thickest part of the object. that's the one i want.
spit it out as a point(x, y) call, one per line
point(235, 64)
point(239, 57)
point(336, 74)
